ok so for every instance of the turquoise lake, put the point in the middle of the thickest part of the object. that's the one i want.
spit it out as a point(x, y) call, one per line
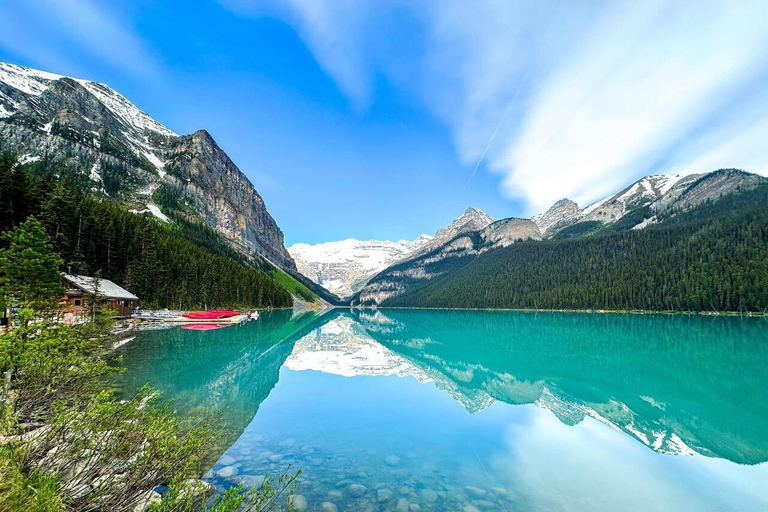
point(412, 411)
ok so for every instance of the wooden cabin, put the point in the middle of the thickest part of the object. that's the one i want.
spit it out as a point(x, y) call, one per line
point(80, 289)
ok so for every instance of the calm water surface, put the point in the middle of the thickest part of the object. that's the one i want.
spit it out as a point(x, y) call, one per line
point(492, 411)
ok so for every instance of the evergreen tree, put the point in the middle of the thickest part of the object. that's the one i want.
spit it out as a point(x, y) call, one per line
point(29, 269)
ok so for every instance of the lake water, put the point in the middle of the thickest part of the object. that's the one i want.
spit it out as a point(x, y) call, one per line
point(493, 411)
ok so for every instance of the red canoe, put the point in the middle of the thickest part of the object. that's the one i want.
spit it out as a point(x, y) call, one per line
point(211, 315)
point(204, 327)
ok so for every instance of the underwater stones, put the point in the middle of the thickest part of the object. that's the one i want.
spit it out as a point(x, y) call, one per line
point(336, 495)
point(470, 508)
point(392, 460)
point(327, 506)
point(415, 507)
point(485, 504)
point(402, 505)
point(428, 495)
point(227, 460)
point(298, 502)
point(249, 481)
point(500, 491)
point(475, 492)
point(227, 472)
point(357, 490)
point(383, 495)
point(275, 457)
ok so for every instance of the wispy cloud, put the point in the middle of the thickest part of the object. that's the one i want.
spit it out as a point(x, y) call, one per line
point(38, 31)
point(597, 93)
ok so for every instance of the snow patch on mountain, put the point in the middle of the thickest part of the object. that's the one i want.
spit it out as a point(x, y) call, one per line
point(36, 82)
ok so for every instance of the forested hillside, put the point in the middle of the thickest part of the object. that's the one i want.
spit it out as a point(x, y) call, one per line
point(178, 265)
point(713, 257)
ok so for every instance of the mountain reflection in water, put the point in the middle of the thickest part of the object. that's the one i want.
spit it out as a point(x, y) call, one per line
point(371, 399)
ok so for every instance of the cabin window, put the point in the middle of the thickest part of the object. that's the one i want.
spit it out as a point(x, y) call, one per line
point(78, 302)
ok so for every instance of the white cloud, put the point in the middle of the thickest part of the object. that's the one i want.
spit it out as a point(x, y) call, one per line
point(39, 30)
point(647, 74)
point(598, 93)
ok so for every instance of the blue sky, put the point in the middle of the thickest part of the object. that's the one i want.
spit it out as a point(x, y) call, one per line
point(386, 119)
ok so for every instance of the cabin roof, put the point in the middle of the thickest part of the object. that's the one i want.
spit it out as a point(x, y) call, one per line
point(105, 287)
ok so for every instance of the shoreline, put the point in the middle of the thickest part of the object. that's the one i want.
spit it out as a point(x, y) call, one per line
point(748, 314)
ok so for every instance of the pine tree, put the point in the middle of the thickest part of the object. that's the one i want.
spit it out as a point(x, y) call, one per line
point(29, 268)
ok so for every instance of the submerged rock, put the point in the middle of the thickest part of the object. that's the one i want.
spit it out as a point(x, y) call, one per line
point(428, 495)
point(402, 505)
point(357, 490)
point(227, 460)
point(337, 495)
point(383, 495)
point(471, 508)
point(327, 506)
point(392, 460)
point(475, 492)
point(298, 502)
point(227, 472)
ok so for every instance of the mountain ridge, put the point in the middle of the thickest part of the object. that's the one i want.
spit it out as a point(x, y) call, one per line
point(46, 115)
point(648, 202)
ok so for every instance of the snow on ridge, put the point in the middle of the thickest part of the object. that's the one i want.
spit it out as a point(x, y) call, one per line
point(124, 109)
point(595, 205)
point(35, 82)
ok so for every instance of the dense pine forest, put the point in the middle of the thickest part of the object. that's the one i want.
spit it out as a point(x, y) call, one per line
point(711, 258)
point(179, 265)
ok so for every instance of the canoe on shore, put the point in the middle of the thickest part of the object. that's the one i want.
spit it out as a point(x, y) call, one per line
point(211, 315)
point(228, 320)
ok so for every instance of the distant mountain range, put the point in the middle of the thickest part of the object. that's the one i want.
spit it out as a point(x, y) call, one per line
point(662, 243)
point(102, 141)
point(345, 266)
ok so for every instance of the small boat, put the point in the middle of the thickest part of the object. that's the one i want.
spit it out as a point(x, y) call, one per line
point(204, 327)
point(211, 315)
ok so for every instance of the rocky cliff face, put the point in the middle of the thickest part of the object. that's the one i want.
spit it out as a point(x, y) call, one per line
point(73, 121)
point(208, 179)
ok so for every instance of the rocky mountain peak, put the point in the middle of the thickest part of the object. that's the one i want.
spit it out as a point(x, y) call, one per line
point(559, 215)
point(472, 219)
point(45, 115)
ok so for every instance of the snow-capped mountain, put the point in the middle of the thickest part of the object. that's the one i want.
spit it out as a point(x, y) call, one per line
point(644, 199)
point(471, 220)
point(345, 266)
point(635, 207)
point(641, 193)
point(561, 214)
point(128, 155)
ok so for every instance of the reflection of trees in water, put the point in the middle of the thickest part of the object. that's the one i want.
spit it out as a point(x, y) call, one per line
point(661, 378)
point(227, 371)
